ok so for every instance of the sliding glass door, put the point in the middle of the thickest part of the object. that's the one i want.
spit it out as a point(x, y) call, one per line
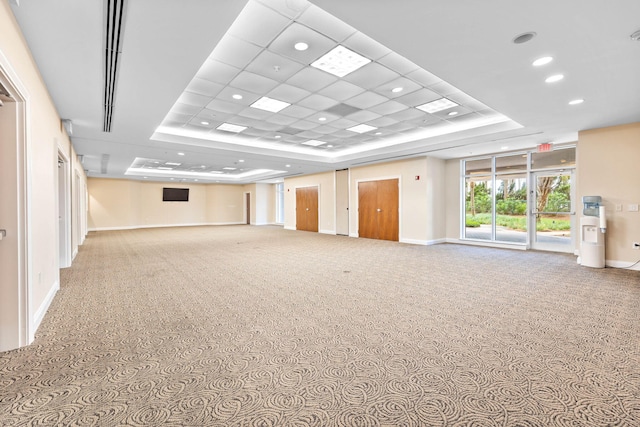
point(552, 212)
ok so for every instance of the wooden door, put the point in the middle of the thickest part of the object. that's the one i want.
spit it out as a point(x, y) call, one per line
point(248, 206)
point(307, 209)
point(378, 205)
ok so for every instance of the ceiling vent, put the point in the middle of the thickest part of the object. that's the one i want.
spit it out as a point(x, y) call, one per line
point(114, 23)
point(342, 110)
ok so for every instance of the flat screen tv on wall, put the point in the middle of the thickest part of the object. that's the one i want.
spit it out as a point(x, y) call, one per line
point(175, 194)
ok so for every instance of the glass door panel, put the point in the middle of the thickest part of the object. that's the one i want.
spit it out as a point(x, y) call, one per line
point(511, 208)
point(552, 215)
point(478, 208)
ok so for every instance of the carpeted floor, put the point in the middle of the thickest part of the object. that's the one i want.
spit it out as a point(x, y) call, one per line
point(259, 326)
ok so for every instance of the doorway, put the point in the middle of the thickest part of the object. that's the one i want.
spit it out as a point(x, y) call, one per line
point(247, 208)
point(378, 209)
point(552, 211)
point(307, 209)
point(64, 218)
point(15, 312)
point(342, 202)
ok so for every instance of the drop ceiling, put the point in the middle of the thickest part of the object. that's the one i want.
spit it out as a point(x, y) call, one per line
point(191, 69)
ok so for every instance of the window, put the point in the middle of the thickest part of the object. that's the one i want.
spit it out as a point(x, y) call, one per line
point(280, 203)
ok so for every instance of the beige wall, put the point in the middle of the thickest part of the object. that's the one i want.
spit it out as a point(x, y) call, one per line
point(452, 198)
point(121, 204)
point(326, 200)
point(607, 166)
point(45, 137)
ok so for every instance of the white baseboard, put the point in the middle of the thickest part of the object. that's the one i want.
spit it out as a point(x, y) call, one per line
point(423, 242)
point(487, 244)
point(42, 310)
point(353, 235)
point(627, 265)
point(288, 227)
point(75, 252)
point(327, 232)
point(136, 227)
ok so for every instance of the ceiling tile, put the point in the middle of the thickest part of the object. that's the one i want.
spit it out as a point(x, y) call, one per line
point(258, 24)
point(341, 90)
point(288, 93)
point(308, 134)
point(216, 71)
point(408, 86)
point(204, 87)
point(366, 46)
point(328, 118)
point(382, 122)
point(423, 77)
point(366, 100)
point(274, 66)
point(444, 88)
point(304, 125)
point(201, 124)
point(408, 114)
point(398, 63)
point(294, 139)
point(177, 117)
point(311, 79)
point(253, 82)
point(342, 110)
point(388, 107)
point(185, 109)
point(294, 33)
point(291, 9)
point(227, 93)
point(343, 123)
point(279, 119)
point(343, 133)
point(297, 111)
point(255, 132)
point(255, 113)
point(418, 97)
point(400, 127)
point(206, 114)
point(444, 114)
point(225, 107)
point(363, 116)
point(235, 52)
point(325, 23)
point(325, 130)
point(271, 127)
point(317, 102)
point(371, 75)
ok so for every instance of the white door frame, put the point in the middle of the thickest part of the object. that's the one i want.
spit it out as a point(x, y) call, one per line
point(21, 328)
point(63, 190)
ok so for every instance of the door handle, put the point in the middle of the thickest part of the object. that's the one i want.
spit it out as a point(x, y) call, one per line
point(307, 208)
point(379, 210)
point(3, 234)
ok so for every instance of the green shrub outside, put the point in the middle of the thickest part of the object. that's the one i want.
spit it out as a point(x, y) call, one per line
point(519, 222)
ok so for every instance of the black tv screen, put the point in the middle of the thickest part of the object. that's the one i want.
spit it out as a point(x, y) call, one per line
point(175, 194)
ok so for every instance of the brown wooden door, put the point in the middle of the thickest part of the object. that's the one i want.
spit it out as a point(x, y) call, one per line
point(307, 209)
point(378, 205)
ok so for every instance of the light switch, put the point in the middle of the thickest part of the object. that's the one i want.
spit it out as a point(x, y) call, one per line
point(633, 207)
point(618, 207)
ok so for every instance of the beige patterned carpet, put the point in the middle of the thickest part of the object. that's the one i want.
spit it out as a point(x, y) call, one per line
point(259, 326)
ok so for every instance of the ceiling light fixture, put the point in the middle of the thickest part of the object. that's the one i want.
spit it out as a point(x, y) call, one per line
point(301, 46)
point(228, 127)
point(397, 89)
point(524, 37)
point(361, 128)
point(313, 142)
point(180, 154)
point(504, 148)
point(330, 146)
point(554, 78)
point(576, 101)
point(542, 61)
point(269, 104)
point(437, 105)
point(453, 113)
point(322, 119)
point(287, 166)
point(229, 169)
point(236, 96)
point(172, 164)
point(340, 61)
point(241, 161)
point(204, 123)
point(277, 137)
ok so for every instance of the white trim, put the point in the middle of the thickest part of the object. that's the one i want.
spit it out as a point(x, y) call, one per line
point(353, 235)
point(288, 227)
point(333, 232)
point(13, 83)
point(75, 253)
point(42, 310)
point(489, 244)
point(64, 258)
point(423, 242)
point(625, 265)
point(136, 227)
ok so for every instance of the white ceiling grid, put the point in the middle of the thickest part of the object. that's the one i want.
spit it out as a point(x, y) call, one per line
point(257, 58)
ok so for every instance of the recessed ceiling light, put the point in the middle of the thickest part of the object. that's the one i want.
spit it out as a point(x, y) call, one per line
point(180, 154)
point(330, 146)
point(172, 164)
point(542, 61)
point(576, 101)
point(554, 78)
point(504, 148)
point(145, 177)
point(361, 128)
point(378, 133)
point(269, 104)
point(340, 61)
point(236, 96)
point(453, 113)
point(277, 137)
point(229, 169)
point(241, 161)
point(301, 46)
point(231, 127)
point(524, 37)
point(313, 142)
point(287, 166)
point(322, 119)
point(204, 123)
point(172, 179)
point(397, 89)
point(195, 179)
point(437, 105)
